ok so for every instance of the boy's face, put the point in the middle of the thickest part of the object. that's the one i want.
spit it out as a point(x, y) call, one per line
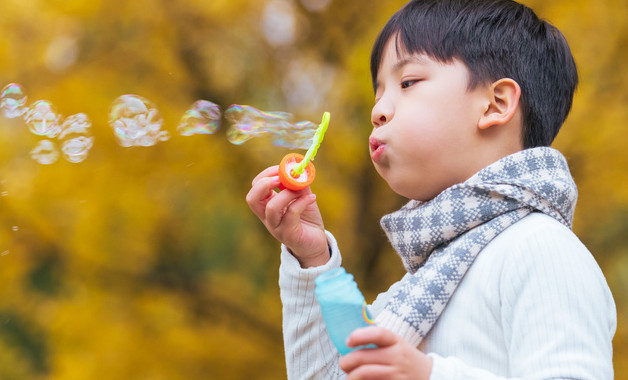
point(425, 124)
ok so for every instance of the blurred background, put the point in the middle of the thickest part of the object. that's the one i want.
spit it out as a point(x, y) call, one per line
point(145, 262)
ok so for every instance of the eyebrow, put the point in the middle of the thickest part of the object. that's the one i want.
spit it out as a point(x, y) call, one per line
point(408, 60)
point(402, 62)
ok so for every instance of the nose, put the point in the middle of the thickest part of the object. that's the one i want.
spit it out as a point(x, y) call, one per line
point(381, 113)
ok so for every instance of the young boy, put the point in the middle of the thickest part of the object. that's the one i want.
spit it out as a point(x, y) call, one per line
point(469, 94)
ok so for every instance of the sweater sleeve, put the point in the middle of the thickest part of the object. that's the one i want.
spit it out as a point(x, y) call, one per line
point(310, 354)
point(558, 317)
point(452, 368)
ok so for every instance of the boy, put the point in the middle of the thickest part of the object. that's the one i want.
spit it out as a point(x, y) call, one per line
point(469, 96)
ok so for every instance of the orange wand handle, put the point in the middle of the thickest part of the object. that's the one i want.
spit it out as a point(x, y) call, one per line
point(286, 177)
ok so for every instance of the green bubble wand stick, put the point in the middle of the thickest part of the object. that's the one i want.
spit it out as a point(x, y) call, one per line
point(296, 172)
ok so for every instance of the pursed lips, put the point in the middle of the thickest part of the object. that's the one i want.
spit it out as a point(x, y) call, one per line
point(376, 147)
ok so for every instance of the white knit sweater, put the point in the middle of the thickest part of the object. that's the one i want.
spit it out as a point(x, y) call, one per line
point(534, 305)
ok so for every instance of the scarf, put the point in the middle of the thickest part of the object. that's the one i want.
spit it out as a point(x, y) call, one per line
point(438, 240)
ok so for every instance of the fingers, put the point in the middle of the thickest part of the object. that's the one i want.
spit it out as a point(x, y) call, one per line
point(394, 357)
point(372, 372)
point(293, 213)
point(268, 172)
point(287, 204)
point(271, 207)
point(365, 361)
point(260, 194)
point(378, 336)
point(286, 213)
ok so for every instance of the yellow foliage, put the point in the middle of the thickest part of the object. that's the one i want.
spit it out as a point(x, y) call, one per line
point(145, 263)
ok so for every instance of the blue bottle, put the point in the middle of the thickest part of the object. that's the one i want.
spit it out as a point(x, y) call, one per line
point(343, 306)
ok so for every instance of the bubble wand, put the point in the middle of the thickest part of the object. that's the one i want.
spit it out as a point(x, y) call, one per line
point(296, 172)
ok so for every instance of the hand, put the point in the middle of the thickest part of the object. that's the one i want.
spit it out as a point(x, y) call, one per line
point(394, 357)
point(292, 217)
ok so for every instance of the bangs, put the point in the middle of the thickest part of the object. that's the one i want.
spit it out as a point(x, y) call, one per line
point(415, 30)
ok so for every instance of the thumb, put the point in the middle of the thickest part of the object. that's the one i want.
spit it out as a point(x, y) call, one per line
point(296, 208)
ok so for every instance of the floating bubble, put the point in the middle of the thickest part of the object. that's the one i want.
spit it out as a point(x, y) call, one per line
point(45, 152)
point(299, 135)
point(203, 117)
point(42, 119)
point(76, 149)
point(136, 121)
point(248, 122)
point(13, 100)
point(75, 137)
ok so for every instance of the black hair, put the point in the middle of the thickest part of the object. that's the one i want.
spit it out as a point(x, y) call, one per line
point(495, 39)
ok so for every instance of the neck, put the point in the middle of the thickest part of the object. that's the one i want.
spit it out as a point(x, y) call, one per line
point(497, 142)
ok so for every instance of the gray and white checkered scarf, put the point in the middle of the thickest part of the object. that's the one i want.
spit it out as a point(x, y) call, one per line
point(439, 239)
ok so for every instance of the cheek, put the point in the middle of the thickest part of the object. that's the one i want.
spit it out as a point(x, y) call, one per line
point(454, 123)
point(424, 131)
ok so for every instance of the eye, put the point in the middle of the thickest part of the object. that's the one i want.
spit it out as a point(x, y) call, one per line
point(408, 83)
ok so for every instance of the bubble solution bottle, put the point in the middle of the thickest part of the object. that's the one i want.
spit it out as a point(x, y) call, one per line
point(342, 305)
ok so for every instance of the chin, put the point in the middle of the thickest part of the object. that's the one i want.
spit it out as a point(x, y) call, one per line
point(412, 193)
point(400, 190)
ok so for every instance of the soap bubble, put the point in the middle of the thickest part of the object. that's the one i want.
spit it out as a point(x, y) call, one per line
point(75, 137)
point(13, 100)
point(298, 135)
point(75, 124)
point(248, 122)
point(45, 152)
point(42, 119)
point(203, 117)
point(136, 121)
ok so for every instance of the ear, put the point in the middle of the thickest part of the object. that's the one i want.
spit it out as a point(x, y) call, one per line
point(502, 103)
